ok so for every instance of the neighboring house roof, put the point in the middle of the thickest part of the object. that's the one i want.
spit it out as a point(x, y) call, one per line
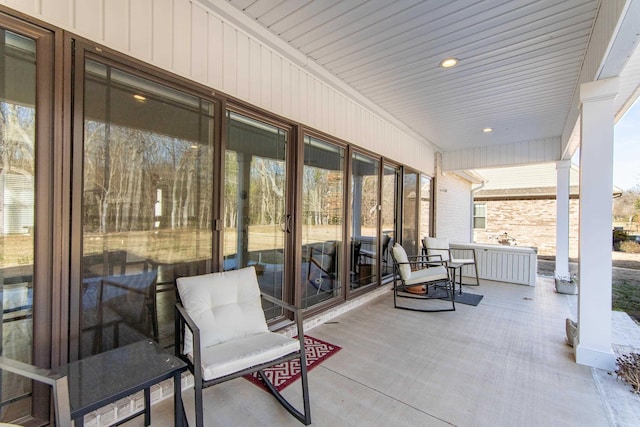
point(537, 181)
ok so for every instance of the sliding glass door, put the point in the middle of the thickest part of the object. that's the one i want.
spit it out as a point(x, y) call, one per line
point(322, 221)
point(410, 217)
point(17, 210)
point(26, 284)
point(389, 213)
point(364, 247)
point(256, 218)
point(147, 187)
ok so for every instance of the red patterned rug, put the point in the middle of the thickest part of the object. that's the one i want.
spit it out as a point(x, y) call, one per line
point(285, 373)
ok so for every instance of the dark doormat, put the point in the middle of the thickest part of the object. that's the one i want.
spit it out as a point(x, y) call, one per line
point(468, 299)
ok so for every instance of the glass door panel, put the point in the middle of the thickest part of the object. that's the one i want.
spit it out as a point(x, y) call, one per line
point(17, 213)
point(322, 221)
point(255, 217)
point(364, 227)
point(147, 204)
point(425, 207)
point(389, 214)
point(410, 213)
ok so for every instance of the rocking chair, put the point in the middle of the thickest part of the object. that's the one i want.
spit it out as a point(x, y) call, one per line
point(222, 334)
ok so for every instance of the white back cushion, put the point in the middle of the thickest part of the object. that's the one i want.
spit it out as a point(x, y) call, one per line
point(437, 246)
point(225, 306)
point(400, 255)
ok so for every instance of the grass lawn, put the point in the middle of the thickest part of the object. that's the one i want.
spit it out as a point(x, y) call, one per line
point(626, 297)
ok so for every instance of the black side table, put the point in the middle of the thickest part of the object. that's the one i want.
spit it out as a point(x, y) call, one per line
point(104, 378)
point(453, 266)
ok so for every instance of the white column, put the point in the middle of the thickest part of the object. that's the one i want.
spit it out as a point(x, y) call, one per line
point(596, 187)
point(563, 167)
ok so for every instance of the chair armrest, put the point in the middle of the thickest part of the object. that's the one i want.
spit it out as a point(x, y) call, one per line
point(473, 251)
point(182, 319)
point(182, 312)
point(429, 260)
point(42, 375)
point(280, 303)
point(58, 382)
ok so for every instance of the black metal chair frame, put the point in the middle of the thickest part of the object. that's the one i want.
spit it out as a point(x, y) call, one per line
point(425, 251)
point(184, 320)
point(416, 263)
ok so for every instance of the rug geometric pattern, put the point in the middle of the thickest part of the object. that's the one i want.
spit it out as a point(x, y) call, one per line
point(285, 373)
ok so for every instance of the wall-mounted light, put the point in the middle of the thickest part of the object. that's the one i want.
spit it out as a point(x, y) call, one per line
point(449, 62)
point(139, 98)
point(487, 130)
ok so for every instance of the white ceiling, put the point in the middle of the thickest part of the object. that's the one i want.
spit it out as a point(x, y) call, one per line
point(520, 60)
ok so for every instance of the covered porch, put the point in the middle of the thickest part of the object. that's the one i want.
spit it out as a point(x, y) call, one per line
point(503, 362)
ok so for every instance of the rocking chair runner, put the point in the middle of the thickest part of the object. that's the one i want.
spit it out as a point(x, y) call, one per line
point(222, 334)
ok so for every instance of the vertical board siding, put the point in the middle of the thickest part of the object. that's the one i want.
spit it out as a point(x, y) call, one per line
point(27, 6)
point(61, 12)
point(215, 52)
point(199, 43)
point(537, 151)
point(116, 24)
point(162, 24)
point(187, 39)
point(141, 28)
point(500, 263)
point(229, 58)
point(276, 83)
point(453, 205)
point(244, 66)
point(88, 18)
point(182, 27)
point(286, 89)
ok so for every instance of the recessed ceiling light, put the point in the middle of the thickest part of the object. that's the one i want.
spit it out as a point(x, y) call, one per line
point(449, 62)
point(139, 98)
point(487, 130)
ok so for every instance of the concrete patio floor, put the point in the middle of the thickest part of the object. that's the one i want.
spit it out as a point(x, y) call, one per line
point(502, 363)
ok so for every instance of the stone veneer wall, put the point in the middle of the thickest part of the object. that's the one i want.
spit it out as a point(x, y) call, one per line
point(530, 222)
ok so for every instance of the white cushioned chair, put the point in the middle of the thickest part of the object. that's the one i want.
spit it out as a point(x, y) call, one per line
point(440, 246)
point(421, 277)
point(222, 334)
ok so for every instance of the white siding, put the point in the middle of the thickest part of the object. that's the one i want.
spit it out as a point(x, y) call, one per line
point(183, 37)
point(520, 153)
point(453, 208)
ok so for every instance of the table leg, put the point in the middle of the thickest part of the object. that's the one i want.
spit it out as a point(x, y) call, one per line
point(147, 407)
point(179, 416)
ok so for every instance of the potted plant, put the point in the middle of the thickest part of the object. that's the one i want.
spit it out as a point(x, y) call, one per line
point(566, 284)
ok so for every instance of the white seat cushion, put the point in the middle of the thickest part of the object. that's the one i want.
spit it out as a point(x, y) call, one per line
point(430, 274)
point(225, 306)
point(236, 355)
point(400, 255)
